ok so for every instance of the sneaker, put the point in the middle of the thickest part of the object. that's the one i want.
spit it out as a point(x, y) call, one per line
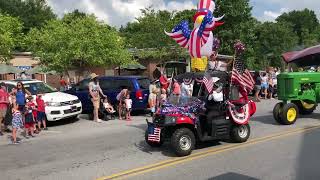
point(15, 143)
point(99, 121)
point(27, 137)
point(46, 129)
point(1, 134)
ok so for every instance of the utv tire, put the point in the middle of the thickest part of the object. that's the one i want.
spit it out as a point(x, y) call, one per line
point(277, 112)
point(240, 133)
point(152, 144)
point(305, 108)
point(183, 142)
point(289, 114)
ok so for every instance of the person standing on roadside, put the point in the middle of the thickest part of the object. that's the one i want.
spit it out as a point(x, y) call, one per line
point(120, 98)
point(4, 102)
point(95, 91)
point(21, 93)
point(257, 86)
point(41, 112)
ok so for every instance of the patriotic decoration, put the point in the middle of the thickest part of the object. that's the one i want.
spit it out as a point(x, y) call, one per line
point(242, 77)
point(215, 44)
point(154, 133)
point(208, 82)
point(199, 41)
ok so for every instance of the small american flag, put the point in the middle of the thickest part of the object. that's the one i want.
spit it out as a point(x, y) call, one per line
point(242, 77)
point(154, 133)
point(208, 82)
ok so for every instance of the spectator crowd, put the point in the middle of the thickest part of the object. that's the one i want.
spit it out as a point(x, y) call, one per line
point(19, 109)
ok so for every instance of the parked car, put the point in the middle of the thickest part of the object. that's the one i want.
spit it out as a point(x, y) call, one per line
point(59, 105)
point(111, 86)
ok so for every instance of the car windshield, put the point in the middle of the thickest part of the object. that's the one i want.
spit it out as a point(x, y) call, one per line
point(39, 87)
point(186, 101)
point(144, 83)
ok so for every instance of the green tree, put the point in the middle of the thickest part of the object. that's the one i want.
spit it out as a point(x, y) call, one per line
point(273, 39)
point(77, 44)
point(304, 23)
point(239, 24)
point(148, 33)
point(33, 13)
point(10, 34)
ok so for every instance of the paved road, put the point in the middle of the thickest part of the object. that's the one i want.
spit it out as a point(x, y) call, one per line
point(86, 150)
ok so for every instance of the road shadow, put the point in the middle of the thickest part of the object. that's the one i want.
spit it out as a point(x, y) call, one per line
point(231, 176)
point(62, 122)
point(307, 165)
point(268, 119)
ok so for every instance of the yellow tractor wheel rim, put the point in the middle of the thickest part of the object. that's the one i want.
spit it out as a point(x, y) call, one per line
point(291, 114)
point(307, 105)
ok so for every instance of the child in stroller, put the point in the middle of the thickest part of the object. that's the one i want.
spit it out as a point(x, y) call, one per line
point(106, 109)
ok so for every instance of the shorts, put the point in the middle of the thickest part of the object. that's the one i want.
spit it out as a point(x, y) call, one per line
point(41, 116)
point(96, 103)
point(257, 87)
point(22, 108)
point(264, 86)
point(128, 109)
point(29, 125)
point(153, 109)
point(3, 113)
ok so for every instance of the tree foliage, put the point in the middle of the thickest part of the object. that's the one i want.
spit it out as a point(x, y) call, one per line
point(10, 34)
point(33, 13)
point(304, 23)
point(82, 42)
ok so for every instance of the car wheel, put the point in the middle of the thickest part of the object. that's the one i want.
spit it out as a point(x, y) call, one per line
point(289, 114)
point(240, 133)
point(183, 141)
point(150, 143)
point(277, 112)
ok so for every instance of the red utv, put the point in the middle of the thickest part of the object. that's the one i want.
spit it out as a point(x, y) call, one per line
point(185, 121)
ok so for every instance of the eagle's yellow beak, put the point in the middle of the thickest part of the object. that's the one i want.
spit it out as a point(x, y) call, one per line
point(199, 19)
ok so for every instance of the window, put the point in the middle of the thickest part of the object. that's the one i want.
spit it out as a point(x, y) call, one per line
point(144, 83)
point(83, 85)
point(106, 84)
point(39, 87)
point(118, 84)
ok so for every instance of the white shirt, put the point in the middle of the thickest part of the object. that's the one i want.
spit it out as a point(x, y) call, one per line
point(128, 103)
point(218, 65)
point(186, 90)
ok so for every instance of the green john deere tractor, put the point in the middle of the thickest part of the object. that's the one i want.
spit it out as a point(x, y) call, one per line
point(298, 91)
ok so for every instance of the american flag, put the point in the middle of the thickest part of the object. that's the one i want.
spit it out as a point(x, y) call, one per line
point(241, 76)
point(154, 133)
point(208, 82)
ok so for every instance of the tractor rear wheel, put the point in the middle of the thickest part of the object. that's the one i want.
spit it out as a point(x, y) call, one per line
point(183, 141)
point(305, 108)
point(240, 133)
point(277, 112)
point(289, 114)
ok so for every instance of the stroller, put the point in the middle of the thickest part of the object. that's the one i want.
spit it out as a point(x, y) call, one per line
point(103, 113)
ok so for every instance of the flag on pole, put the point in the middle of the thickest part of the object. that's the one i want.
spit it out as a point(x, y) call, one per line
point(208, 82)
point(242, 77)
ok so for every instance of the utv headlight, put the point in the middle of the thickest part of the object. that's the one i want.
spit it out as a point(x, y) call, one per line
point(170, 119)
point(53, 104)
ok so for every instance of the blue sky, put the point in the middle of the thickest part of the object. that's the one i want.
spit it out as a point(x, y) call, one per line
point(119, 12)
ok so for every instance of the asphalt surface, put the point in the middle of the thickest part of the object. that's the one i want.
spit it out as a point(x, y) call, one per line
point(81, 149)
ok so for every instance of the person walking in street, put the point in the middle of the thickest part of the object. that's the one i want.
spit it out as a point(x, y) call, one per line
point(120, 98)
point(63, 84)
point(128, 103)
point(257, 87)
point(41, 115)
point(4, 102)
point(186, 88)
point(152, 101)
point(95, 91)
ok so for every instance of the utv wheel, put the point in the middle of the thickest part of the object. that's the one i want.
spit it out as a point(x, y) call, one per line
point(289, 114)
point(305, 108)
point(150, 143)
point(240, 133)
point(277, 112)
point(183, 141)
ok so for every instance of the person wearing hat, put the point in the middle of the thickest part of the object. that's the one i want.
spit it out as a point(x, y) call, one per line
point(95, 91)
point(4, 102)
